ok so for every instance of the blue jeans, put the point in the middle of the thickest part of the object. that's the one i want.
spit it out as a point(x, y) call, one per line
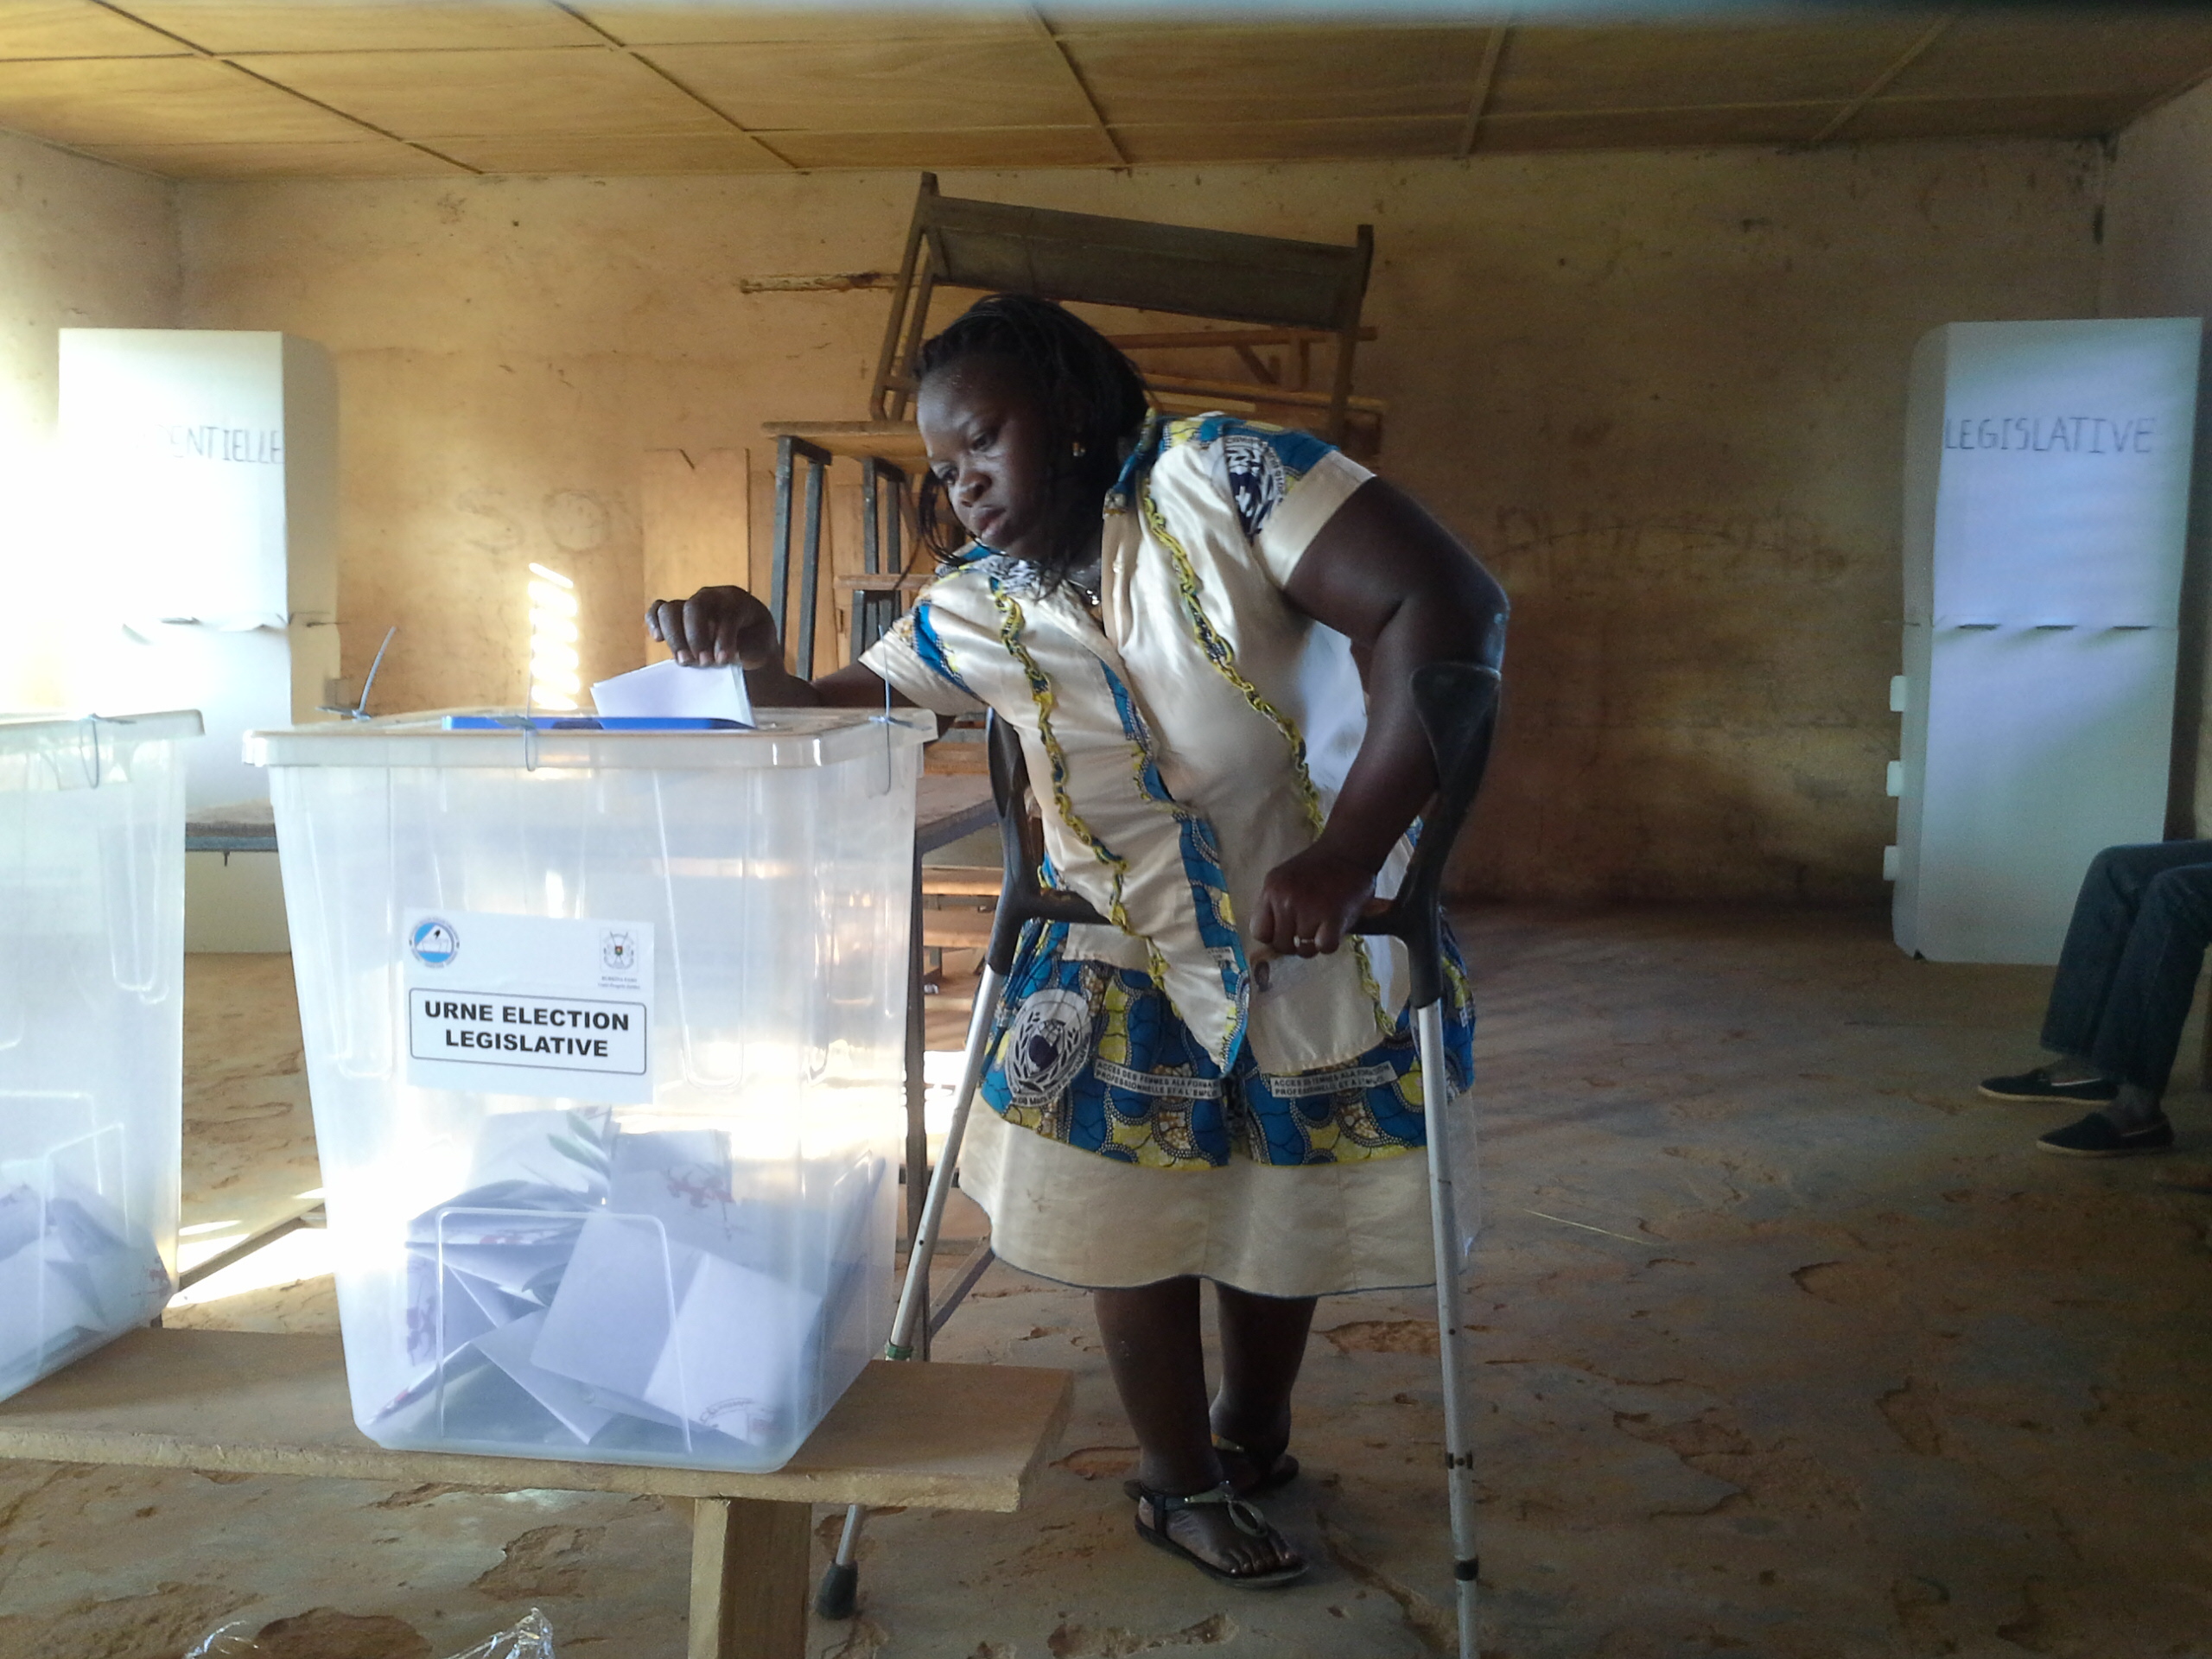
point(2128, 969)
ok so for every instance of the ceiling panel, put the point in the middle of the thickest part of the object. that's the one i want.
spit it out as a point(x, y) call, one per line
point(723, 152)
point(1229, 141)
point(370, 157)
point(1995, 55)
point(527, 86)
point(560, 93)
point(1755, 124)
point(1283, 74)
point(2077, 116)
point(75, 28)
point(984, 147)
point(882, 86)
point(156, 101)
point(716, 21)
point(343, 26)
point(1653, 66)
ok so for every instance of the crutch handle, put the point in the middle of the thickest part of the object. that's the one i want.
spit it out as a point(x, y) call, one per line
point(1457, 704)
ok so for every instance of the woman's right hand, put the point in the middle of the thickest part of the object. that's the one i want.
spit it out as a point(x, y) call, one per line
point(715, 628)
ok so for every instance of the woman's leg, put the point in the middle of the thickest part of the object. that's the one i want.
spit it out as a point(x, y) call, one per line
point(1262, 1345)
point(1153, 1350)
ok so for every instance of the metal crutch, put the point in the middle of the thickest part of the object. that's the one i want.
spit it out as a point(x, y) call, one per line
point(1021, 900)
point(1457, 703)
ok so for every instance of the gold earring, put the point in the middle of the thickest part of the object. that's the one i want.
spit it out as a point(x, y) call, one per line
point(1075, 448)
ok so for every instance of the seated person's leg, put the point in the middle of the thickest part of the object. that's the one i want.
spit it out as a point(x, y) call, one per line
point(2139, 1026)
point(2105, 911)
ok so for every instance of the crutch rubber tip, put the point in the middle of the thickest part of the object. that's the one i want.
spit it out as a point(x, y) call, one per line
point(1463, 1571)
point(839, 1592)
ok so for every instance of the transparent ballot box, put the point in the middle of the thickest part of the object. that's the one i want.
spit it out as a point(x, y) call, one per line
point(606, 1036)
point(91, 1030)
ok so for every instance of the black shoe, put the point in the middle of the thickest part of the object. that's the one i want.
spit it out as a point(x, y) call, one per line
point(2036, 1085)
point(2098, 1136)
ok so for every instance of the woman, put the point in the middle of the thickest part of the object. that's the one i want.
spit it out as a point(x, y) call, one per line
point(1176, 615)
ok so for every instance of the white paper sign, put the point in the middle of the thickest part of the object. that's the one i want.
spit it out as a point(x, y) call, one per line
point(529, 1005)
point(662, 690)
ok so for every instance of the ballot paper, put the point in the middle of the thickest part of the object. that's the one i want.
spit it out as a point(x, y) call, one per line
point(72, 1268)
point(670, 688)
point(688, 1334)
point(509, 1348)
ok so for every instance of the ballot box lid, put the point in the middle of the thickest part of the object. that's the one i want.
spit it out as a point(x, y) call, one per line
point(44, 729)
point(506, 738)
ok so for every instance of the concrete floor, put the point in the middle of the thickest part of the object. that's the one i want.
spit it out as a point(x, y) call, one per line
point(1787, 1344)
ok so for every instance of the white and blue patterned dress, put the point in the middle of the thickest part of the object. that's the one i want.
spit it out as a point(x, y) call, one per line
point(1160, 1108)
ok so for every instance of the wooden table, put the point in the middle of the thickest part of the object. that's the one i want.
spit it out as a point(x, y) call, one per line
point(942, 1437)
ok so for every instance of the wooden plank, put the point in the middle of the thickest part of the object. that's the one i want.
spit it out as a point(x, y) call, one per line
point(956, 928)
point(1644, 66)
point(1090, 258)
point(647, 23)
point(950, 807)
point(1777, 123)
point(1288, 397)
point(953, 1437)
point(556, 92)
point(1177, 338)
point(967, 881)
point(2060, 55)
point(748, 1580)
point(1290, 140)
point(1237, 74)
point(366, 156)
point(881, 85)
point(244, 26)
point(77, 28)
point(893, 441)
point(1874, 88)
point(602, 154)
point(981, 147)
point(2080, 116)
point(157, 101)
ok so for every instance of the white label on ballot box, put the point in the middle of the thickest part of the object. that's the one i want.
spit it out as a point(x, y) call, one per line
point(529, 1005)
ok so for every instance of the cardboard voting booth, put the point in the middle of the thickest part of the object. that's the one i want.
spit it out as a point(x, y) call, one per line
point(606, 1032)
point(92, 1001)
point(2047, 472)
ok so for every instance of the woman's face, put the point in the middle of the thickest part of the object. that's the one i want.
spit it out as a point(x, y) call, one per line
point(984, 433)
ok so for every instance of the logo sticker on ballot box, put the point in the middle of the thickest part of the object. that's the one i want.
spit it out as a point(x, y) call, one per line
point(529, 1005)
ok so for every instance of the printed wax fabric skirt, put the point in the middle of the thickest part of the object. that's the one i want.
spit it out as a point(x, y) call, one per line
point(1116, 1154)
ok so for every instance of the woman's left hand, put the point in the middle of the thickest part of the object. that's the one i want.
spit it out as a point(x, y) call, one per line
point(1309, 901)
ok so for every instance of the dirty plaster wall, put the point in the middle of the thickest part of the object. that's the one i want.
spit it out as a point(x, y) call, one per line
point(1661, 392)
point(82, 245)
point(2158, 263)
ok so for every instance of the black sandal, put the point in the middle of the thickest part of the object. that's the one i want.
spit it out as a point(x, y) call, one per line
point(1246, 1519)
point(1281, 1470)
point(1278, 1471)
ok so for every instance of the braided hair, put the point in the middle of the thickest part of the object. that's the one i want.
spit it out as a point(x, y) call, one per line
point(1092, 399)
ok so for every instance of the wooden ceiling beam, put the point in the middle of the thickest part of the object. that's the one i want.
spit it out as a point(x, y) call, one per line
point(1912, 55)
point(652, 68)
point(234, 66)
point(1051, 36)
point(1485, 84)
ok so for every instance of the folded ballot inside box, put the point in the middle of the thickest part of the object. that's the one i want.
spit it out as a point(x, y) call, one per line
point(639, 1293)
point(72, 1269)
